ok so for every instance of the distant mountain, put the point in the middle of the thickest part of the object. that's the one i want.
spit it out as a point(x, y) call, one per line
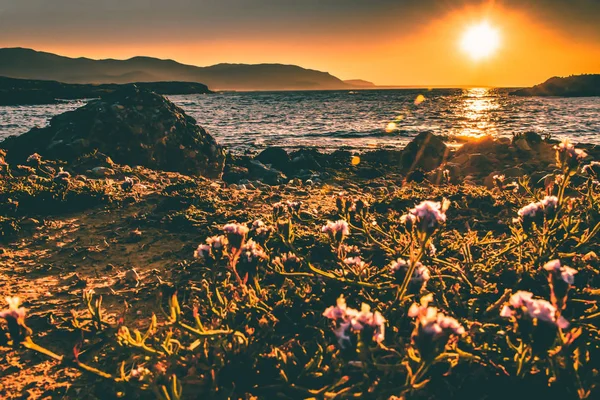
point(572, 86)
point(31, 64)
point(359, 83)
point(26, 92)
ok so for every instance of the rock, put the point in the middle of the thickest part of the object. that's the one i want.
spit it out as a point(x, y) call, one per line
point(277, 157)
point(426, 151)
point(417, 176)
point(514, 172)
point(132, 126)
point(489, 180)
point(268, 175)
point(132, 277)
point(522, 144)
point(235, 173)
point(103, 171)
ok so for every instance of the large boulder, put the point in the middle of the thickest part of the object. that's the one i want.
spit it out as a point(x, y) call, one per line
point(426, 152)
point(133, 126)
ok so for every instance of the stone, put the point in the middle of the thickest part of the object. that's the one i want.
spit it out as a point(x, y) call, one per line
point(427, 151)
point(268, 175)
point(103, 171)
point(158, 136)
point(522, 144)
point(277, 157)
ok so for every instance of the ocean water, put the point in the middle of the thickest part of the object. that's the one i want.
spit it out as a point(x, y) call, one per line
point(360, 120)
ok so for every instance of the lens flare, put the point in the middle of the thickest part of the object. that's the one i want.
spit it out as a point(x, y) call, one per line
point(480, 41)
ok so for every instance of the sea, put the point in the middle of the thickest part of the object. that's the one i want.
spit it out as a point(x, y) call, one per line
point(246, 122)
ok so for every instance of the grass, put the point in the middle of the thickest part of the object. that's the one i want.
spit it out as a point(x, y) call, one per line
point(246, 320)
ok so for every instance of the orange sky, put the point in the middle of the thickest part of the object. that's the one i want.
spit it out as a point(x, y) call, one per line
point(424, 51)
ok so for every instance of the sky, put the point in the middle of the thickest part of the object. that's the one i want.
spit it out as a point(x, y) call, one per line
point(388, 42)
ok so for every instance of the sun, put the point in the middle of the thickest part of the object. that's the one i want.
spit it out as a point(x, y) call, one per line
point(480, 41)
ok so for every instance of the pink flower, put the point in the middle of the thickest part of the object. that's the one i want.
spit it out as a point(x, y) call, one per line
point(338, 229)
point(349, 319)
point(522, 303)
point(567, 274)
point(236, 229)
point(427, 216)
point(14, 312)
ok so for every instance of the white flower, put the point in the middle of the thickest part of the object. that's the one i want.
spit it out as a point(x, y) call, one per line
point(251, 251)
point(217, 242)
point(567, 274)
point(236, 229)
point(203, 251)
point(349, 319)
point(428, 215)
point(431, 321)
point(533, 308)
point(14, 312)
point(336, 228)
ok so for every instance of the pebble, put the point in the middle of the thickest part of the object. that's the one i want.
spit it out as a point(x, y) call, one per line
point(132, 277)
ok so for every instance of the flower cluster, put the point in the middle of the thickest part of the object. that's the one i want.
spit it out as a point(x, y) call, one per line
point(567, 274)
point(288, 261)
point(236, 234)
point(15, 318)
point(251, 256)
point(348, 320)
point(212, 250)
point(347, 205)
point(261, 230)
point(355, 265)
point(535, 212)
point(427, 216)
point(567, 156)
point(560, 279)
point(522, 304)
point(336, 230)
point(433, 328)
point(284, 207)
point(420, 276)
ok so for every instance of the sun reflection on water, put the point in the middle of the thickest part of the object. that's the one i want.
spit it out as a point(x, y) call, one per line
point(477, 113)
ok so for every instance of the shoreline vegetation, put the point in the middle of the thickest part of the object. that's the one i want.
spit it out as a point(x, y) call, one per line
point(425, 273)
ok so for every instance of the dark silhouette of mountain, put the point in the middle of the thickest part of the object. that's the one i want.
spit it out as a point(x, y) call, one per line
point(572, 86)
point(359, 83)
point(31, 64)
point(27, 92)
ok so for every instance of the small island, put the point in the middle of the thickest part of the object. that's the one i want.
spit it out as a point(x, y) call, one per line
point(572, 86)
point(29, 92)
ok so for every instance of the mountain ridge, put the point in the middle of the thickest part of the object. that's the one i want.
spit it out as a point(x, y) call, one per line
point(23, 63)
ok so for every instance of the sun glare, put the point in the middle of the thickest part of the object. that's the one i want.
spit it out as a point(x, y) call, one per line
point(480, 41)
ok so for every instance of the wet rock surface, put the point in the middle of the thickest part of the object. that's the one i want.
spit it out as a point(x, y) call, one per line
point(133, 126)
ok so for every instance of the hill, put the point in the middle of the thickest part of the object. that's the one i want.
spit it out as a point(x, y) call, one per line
point(359, 83)
point(27, 92)
point(572, 86)
point(31, 64)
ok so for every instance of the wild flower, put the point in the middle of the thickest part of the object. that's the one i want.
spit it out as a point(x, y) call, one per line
point(203, 252)
point(236, 234)
point(431, 250)
point(217, 242)
point(251, 255)
point(35, 158)
point(560, 280)
point(522, 304)
point(14, 312)
point(535, 212)
point(567, 274)
point(282, 208)
point(433, 329)
point(354, 264)
point(349, 205)
point(261, 230)
point(371, 324)
point(567, 156)
point(140, 373)
point(336, 230)
point(427, 216)
point(15, 319)
point(289, 261)
point(420, 276)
